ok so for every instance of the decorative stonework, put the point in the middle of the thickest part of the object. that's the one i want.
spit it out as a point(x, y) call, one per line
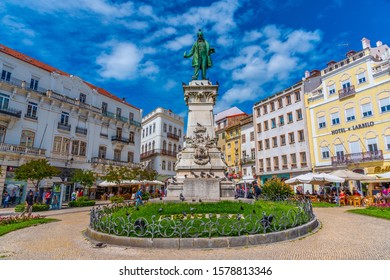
point(200, 97)
point(201, 142)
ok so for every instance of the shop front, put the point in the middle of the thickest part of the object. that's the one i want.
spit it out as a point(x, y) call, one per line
point(16, 189)
point(282, 176)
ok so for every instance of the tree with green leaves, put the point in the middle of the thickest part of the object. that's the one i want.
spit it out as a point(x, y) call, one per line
point(36, 171)
point(119, 174)
point(86, 178)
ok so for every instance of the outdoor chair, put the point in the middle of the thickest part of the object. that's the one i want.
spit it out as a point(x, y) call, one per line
point(342, 201)
point(357, 201)
point(350, 200)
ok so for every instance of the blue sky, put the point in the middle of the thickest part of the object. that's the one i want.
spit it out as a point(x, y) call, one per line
point(134, 49)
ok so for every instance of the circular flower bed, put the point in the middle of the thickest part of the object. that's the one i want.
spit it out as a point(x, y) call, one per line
point(195, 220)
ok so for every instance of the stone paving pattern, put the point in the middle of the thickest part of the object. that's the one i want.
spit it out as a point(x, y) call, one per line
point(343, 236)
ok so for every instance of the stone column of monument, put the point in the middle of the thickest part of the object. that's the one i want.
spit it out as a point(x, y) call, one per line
point(200, 166)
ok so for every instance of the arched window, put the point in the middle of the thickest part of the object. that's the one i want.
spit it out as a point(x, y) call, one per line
point(174, 147)
point(170, 146)
point(164, 145)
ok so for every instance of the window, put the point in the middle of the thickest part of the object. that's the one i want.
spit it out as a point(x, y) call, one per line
point(288, 99)
point(252, 136)
point(243, 140)
point(6, 73)
point(265, 125)
point(321, 122)
point(276, 163)
point(261, 165)
point(169, 166)
point(154, 127)
point(164, 145)
point(65, 118)
point(229, 157)
point(268, 162)
point(354, 147)
point(102, 152)
point(243, 154)
point(291, 138)
point(83, 98)
point(170, 129)
point(339, 149)
point(27, 138)
point(366, 110)
point(372, 145)
point(131, 136)
point(299, 114)
point(4, 101)
point(335, 118)
point(83, 149)
point(260, 145)
point(258, 127)
point(175, 131)
point(75, 147)
point(325, 152)
point(290, 117)
point(303, 158)
point(253, 153)
point(117, 155)
point(361, 78)
point(267, 144)
point(387, 137)
point(143, 133)
point(282, 140)
point(332, 89)
point(118, 112)
point(150, 129)
point(350, 114)
point(284, 161)
point(281, 120)
point(297, 96)
point(131, 118)
point(165, 127)
point(229, 145)
point(346, 84)
point(130, 157)
point(301, 136)
point(2, 133)
point(223, 135)
point(274, 142)
point(280, 103)
point(273, 123)
point(34, 83)
point(272, 106)
point(163, 165)
point(384, 104)
point(293, 158)
point(258, 111)
point(265, 109)
point(32, 109)
point(104, 107)
point(119, 132)
point(61, 145)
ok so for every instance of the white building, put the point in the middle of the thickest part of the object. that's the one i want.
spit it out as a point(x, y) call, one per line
point(248, 148)
point(47, 113)
point(281, 135)
point(162, 139)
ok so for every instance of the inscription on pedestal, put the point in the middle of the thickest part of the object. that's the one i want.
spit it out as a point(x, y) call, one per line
point(202, 188)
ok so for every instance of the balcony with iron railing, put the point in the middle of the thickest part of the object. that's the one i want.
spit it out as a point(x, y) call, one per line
point(104, 161)
point(158, 152)
point(148, 154)
point(247, 160)
point(368, 156)
point(30, 116)
point(347, 92)
point(173, 136)
point(120, 139)
point(64, 126)
point(22, 150)
point(10, 111)
point(81, 130)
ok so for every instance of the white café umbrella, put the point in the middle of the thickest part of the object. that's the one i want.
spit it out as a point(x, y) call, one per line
point(107, 184)
point(353, 176)
point(384, 175)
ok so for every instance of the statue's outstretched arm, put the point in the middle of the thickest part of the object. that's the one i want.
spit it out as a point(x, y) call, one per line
point(191, 52)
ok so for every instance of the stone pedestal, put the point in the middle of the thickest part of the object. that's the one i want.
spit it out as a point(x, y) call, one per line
point(200, 166)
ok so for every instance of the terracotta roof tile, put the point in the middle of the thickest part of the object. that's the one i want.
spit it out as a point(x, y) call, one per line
point(39, 64)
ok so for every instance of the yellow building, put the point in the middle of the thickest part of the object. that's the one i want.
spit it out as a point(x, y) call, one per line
point(348, 112)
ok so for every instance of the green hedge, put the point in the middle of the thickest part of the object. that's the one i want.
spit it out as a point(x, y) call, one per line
point(116, 199)
point(81, 202)
point(36, 207)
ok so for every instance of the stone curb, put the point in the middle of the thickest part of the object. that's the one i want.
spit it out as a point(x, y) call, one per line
point(204, 243)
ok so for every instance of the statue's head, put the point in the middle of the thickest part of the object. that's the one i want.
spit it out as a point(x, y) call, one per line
point(200, 34)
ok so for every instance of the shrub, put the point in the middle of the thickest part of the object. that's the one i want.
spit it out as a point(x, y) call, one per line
point(145, 196)
point(36, 207)
point(116, 199)
point(126, 196)
point(276, 189)
point(81, 202)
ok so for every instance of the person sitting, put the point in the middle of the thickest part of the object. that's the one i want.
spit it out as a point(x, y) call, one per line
point(307, 192)
point(355, 192)
point(348, 192)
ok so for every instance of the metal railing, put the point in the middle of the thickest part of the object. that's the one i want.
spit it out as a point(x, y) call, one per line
point(120, 139)
point(173, 136)
point(21, 149)
point(347, 92)
point(357, 157)
point(158, 151)
point(64, 126)
point(81, 130)
point(11, 111)
point(104, 161)
point(30, 117)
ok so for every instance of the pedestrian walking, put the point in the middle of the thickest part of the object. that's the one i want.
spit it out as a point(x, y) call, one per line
point(29, 204)
point(6, 199)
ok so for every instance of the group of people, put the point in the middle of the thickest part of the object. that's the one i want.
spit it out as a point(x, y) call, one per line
point(11, 198)
point(76, 194)
point(251, 191)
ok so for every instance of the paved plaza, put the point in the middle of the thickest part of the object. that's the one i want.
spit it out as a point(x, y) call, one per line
point(342, 235)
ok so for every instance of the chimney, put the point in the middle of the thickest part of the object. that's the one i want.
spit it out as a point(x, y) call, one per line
point(307, 74)
point(123, 99)
point(379, 43)
point(366, 43)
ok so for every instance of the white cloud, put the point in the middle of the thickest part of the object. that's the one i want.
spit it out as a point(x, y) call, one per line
point(160, 34)
point(252, 35)
point(170, 84)
point(180, 42)
point(121, 63)
point(14, 25)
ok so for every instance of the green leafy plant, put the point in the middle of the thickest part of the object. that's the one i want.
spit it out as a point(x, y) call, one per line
point(36, 207)
point(81, 202)
point(86, 178)
point(275, 189)
point(145, 196)
point(116, 199)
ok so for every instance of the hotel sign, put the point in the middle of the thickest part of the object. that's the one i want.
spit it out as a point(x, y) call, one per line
point(354, 127)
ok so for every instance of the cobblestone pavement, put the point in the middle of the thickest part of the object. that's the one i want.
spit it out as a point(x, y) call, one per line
point(343, 236)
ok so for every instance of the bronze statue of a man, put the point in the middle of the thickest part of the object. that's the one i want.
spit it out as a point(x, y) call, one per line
point(201, 52)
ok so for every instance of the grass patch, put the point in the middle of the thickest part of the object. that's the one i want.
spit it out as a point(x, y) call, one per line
point(383, 213)
point(4, 229)
point(323, 204)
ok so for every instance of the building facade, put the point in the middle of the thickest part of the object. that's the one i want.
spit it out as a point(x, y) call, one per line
point(282, 147)
point(47, 113)
point(248, 148)
point(349, 112)
point(162, 139)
